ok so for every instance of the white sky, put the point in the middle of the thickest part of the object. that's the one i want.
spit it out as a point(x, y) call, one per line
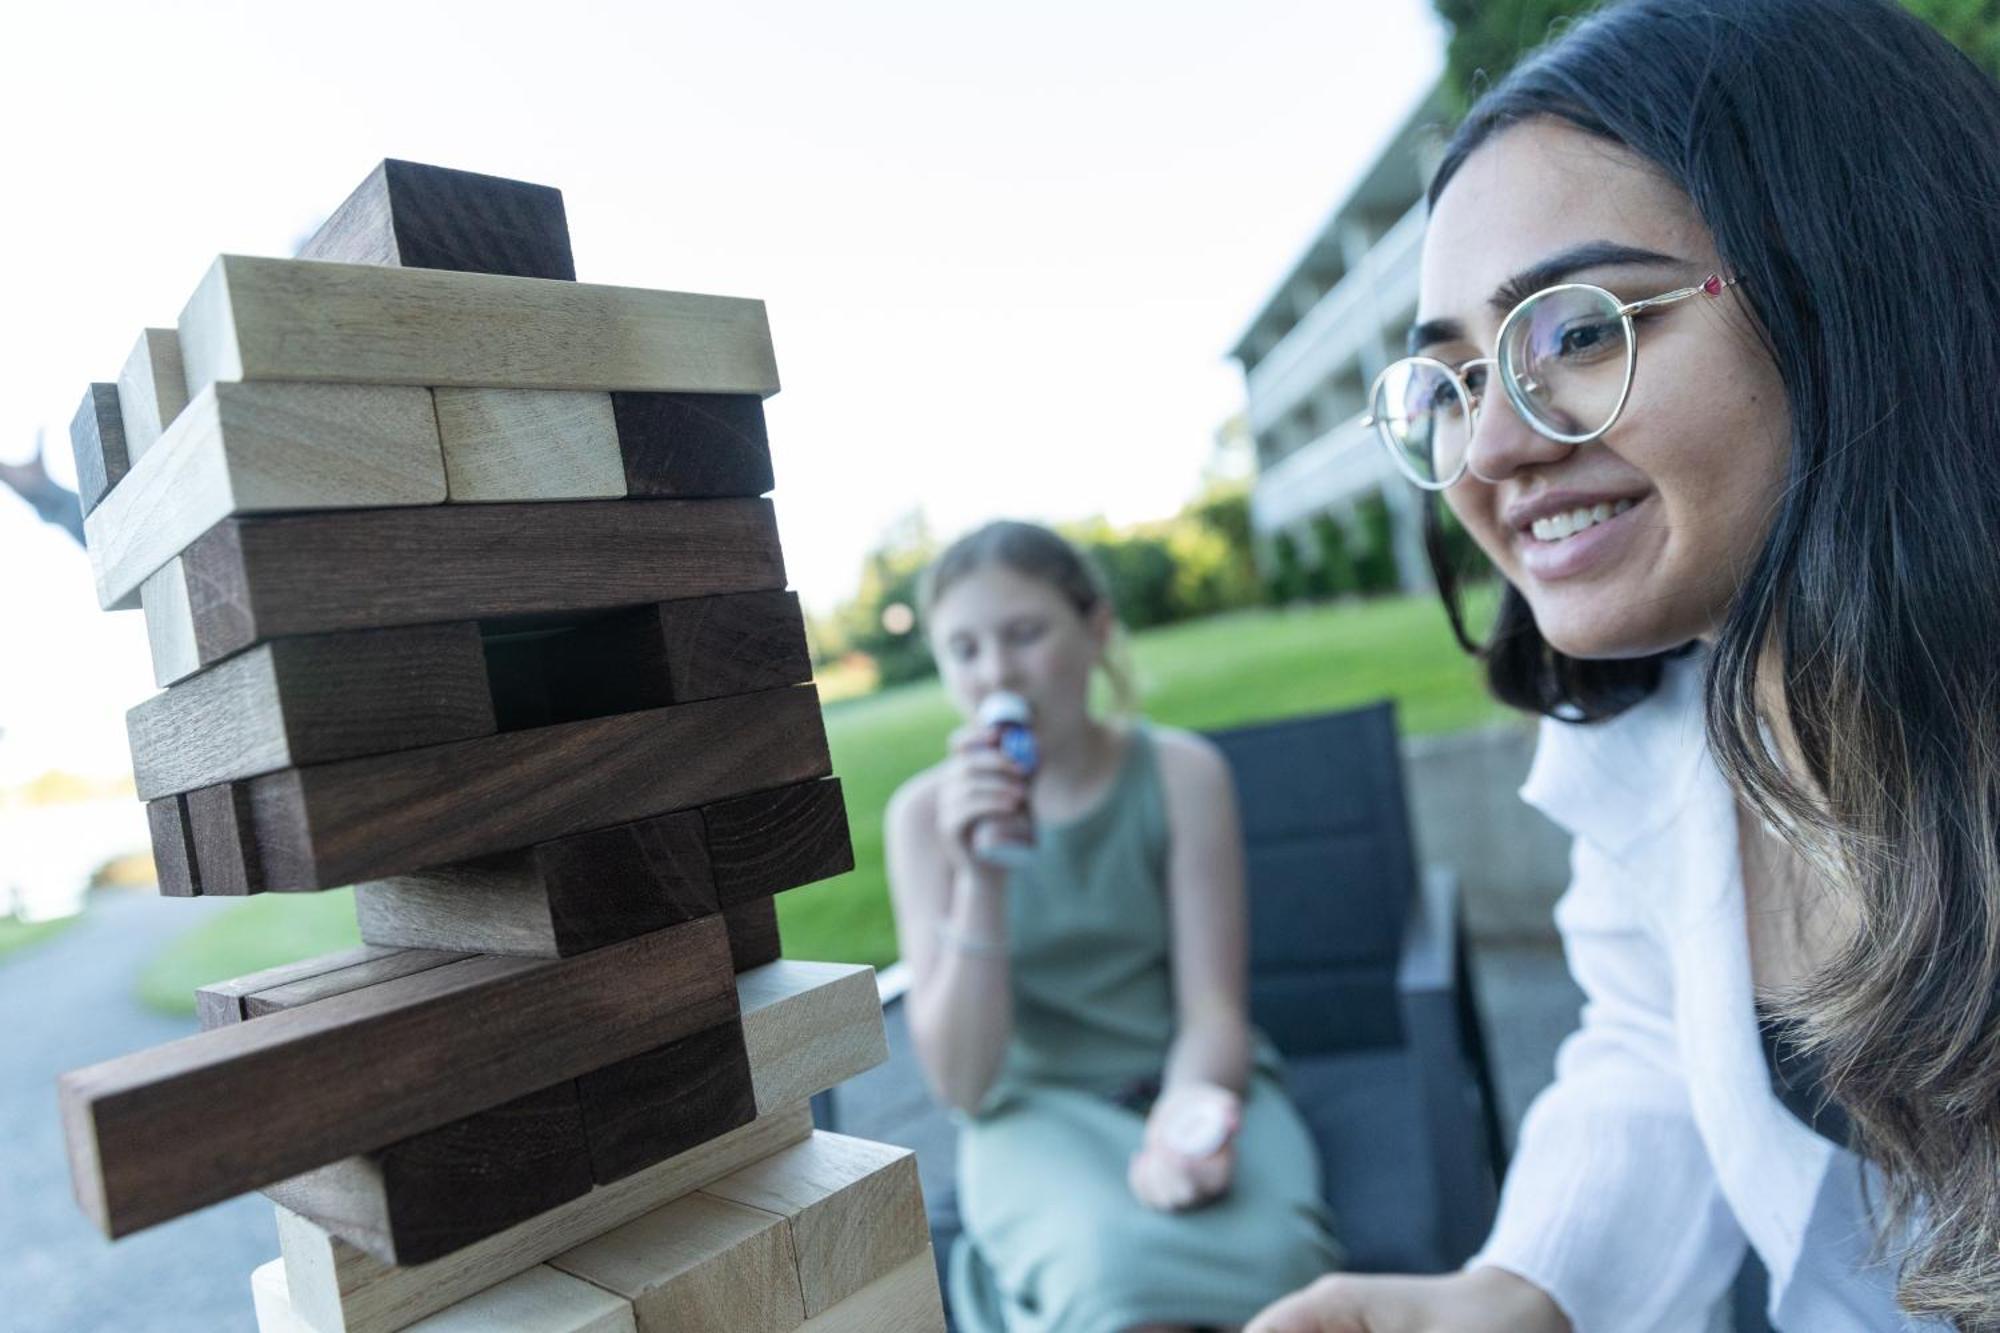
point(1004, 248)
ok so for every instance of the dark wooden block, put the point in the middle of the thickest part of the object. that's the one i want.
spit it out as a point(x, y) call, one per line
point(693, 444)
point(257, 578)
point(557, 899)
point(444, 1189)
point(365, 819)
point(164, 1131)
point(220, 827)
point(222, 1002)
point(654, 1106)
point(310, 700)
point(411, 215)
point(339, 981)
point(734, 644)
point(173, 847)
point(97, 437)
point(753, 933)
point(776, 840)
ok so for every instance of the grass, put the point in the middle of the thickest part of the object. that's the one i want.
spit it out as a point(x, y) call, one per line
point(1243, 667)
point(16, 935)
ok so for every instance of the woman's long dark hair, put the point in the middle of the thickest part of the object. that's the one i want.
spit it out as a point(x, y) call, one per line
point(1847, 162)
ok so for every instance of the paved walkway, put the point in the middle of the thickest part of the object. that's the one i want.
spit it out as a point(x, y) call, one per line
point(67, 1003)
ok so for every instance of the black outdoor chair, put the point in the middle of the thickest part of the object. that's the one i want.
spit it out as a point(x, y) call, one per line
point(1358, 973)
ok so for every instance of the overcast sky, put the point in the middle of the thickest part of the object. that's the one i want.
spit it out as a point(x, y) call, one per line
point(1004, 247)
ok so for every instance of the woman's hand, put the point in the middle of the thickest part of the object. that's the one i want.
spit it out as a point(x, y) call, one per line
point(978, 783)
point(1189, 1153)
point(1485, 1300)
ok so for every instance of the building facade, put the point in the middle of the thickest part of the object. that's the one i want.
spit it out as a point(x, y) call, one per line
point(1333, 321)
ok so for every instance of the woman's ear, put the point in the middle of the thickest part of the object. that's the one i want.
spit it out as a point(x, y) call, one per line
point(1101, 623)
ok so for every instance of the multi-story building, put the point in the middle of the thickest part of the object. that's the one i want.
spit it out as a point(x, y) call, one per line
point(1335, 319)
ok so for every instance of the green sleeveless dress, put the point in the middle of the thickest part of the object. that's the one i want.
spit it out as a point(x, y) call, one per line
point(1054, 1241)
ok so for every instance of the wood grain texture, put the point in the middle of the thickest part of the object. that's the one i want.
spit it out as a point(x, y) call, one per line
point(904, 1300)
point(642, 1111)
point(221, 827)
point(553, 900)
point(221, 1002)
point(365, 819)
point(418, 216)
point(358, 974)
point(262, 448)
point(537, 1300)
point(693, 444)
point(698, 1263)
point(765, 843)
point(437, 1192)
point(341, 1288)
point(288, 319)
point(753, 933)
point(529, 444)
point(855, 1207)
point(808, 1027)
point(257, 578)
point(173, 849)
point(676, 652)
point(170, 624)
point(312, 700)
point(97, 440)
point(291, 1091)
point(152, 390)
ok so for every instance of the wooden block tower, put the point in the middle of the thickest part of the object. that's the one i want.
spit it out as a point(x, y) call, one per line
point(461, 587)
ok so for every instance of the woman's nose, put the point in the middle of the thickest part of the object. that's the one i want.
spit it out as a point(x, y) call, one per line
point(1503, 444)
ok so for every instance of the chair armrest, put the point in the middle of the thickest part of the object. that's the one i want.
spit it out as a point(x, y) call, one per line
point(1448, 1061)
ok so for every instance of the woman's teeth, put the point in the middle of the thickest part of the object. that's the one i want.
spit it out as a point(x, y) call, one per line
point(1558, 526)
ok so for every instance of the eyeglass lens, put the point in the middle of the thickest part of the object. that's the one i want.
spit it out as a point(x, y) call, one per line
point(1564, 357)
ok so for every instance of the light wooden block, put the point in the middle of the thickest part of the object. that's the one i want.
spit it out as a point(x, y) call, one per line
point(170, 623)
point(906, 1300)
point(312, 700)
point(152, 390)
point(856, 1210)
point(289, 319)
point(259, 449)
point(698, 1263)
point(538, 1300)
point(529, 444)
point(340, 1289)
point(808, 1027)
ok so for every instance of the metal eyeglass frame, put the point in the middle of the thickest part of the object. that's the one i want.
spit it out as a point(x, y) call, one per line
point(1712, 285)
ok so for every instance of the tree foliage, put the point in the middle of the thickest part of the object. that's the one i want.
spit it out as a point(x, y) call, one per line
point(1489, 36)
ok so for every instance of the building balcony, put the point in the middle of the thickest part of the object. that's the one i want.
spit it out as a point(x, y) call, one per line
point(1344, 323)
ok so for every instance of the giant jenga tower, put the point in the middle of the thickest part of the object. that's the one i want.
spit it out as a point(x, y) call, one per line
point(459, 581)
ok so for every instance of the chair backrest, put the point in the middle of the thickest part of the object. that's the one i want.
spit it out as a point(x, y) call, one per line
point(1332, 871)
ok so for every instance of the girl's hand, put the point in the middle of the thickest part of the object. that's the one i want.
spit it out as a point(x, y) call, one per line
point(1188, 1156)
point(978, 783)
point(1485, 1300)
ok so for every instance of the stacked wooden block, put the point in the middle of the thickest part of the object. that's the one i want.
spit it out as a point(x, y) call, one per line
point(460, 581)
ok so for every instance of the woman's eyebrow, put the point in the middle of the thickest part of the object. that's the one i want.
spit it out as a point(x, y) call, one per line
point(1556, 268)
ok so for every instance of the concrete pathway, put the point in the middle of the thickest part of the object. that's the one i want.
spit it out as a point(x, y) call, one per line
point(66, 1003)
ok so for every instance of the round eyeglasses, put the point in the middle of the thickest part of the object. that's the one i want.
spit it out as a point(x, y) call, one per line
point(1564, 358)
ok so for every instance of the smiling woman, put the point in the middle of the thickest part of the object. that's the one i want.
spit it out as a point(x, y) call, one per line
point(1734, 266)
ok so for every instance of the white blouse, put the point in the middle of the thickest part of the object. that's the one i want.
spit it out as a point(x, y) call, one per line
point(1661, 1150)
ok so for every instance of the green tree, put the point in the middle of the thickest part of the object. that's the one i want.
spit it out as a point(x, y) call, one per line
point(1488, 37)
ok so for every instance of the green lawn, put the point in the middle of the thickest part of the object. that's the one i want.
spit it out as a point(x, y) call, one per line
point(1218, 672)
point(20, 934)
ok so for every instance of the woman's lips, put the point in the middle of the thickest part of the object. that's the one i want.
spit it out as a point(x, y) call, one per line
point(1568, 557)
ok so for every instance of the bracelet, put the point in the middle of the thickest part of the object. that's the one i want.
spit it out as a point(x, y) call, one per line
point(955, 938)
